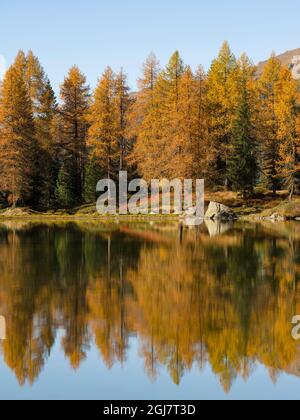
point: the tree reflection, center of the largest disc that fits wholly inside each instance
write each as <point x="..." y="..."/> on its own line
<point x="191" y="299"/>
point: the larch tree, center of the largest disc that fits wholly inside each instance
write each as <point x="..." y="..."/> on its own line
<point x="225" y="126"/>
<point x="166" y="145"/>
<point x="172" y="76"/>
<point x="143" y="121"/>
<point x="35" y="80"/>
<point x="172" y="150"/>
<point x="73" y="114"/>
<point x="20" y="63"/>
<point x="288" y="133"/>
<point x="269" y="90"/>
<point x="222" y="97"/>
<point x="44" y="108"/>
<point x="148" y="80"/>
<point x="17" y="139"/>
<point x="185" y="136"/>
<point x="156" y="111"/>
<point x="169" y="119"/>
<point x="197" y="155"/>
<point x="103" y="134"/>
<point x="203" y="151"/>
<point x="123" y="99"/>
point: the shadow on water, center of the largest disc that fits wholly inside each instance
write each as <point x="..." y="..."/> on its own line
<point x="217" y="295"/>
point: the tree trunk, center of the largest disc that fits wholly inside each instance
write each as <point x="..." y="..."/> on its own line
<point x="292" y="189"/>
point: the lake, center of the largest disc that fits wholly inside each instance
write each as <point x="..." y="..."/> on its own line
<point x="149" y="311"/>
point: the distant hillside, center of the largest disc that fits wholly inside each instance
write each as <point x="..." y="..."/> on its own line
<point x="290" y="59"/>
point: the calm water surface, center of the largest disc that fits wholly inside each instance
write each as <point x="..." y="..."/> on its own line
<point x="149" y="311"/>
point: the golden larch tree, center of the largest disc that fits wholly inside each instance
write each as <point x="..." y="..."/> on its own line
<point x="17" y="139"/>
<point x="222" y="97"/>
<point x="103" y="135"/>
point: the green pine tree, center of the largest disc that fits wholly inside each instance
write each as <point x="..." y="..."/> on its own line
<point x="66" y="186"/>
<point x="242" y="161"/>
<point x="93" y="174"/>
<point x="46" y="163"/>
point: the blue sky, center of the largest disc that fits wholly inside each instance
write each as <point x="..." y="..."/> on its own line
<point x="97" y="33"/>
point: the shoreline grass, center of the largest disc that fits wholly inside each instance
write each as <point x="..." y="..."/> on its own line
<point x="262" y="205"/>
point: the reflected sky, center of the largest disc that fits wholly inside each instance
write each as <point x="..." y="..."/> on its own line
<point x="149" y="312"/>
<point x="95" y="381"/>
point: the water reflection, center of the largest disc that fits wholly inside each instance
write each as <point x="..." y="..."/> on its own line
<point x="223" y="296"/>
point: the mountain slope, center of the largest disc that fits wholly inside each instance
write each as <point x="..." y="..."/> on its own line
<point x="289" y="58"/>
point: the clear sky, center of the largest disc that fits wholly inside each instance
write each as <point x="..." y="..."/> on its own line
<point x="97" y="33"/>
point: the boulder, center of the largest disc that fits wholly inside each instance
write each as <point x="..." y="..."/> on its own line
<point x="217" y="211"/>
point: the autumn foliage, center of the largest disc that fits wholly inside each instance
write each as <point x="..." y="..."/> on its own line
<point x="236" y="130"/>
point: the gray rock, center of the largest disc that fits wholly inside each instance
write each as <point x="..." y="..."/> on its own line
<point x="217" y="211"/>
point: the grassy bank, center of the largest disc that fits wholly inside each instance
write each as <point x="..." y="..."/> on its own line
<point x="262" y="205"/>
<point x="83" y="213"/>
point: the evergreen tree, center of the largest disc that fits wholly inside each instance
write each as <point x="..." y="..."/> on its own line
<point x="47" y="140"/>
<point x="93" y="174"/>
<point x="242" y="167"/>
<point x="66" y="188"/>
